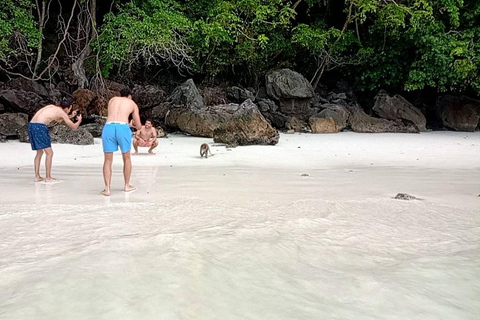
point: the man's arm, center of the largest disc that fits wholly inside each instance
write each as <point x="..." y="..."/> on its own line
<point x="138" y="135"/>
<point x="136" y="116"/>
<point x="154" y="134"/>
<point x="69" y="122"/>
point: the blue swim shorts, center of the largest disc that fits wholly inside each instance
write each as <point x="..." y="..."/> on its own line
<point x="39" y="136"/>
<point x="116" y="134"/>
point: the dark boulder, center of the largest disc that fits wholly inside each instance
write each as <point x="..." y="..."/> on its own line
<point x="247" y="126"/>
<point x="359" y="121"/>
<point x="397" y="107"/>
<point x="292" y="90"/>
<point x="459" y="113"/>
<point x="11" y="123"/>
<point x="63" y="134"/>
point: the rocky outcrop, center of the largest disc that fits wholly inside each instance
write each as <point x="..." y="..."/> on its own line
<point x="459" y="113"/>
<point x="63" y="134"/>
<point x="239" y="95"/>
<point x="338" y="113"/>
<point x="397" y="107"/>
<point x="95" y="129"/>
<point x="267" y="105"/>
<point x="246" y="126"/>
<point x="186" y="94"/>
<point x="200" y="121"/>
<point x="148" y="96"/>
<point x="21" y="101"/>
<point x="322" y="125"/>
<point x="361" y="122"/>
<point x="90" y="103"/>
<point x="295" y="124"/>
<point x="11" y="123"/>
<point x="292" y="90"/>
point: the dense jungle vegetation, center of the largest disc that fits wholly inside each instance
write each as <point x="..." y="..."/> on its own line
<point x="398" y="45"/>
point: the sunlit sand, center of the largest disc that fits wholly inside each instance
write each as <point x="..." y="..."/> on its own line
<point x="306" y="229"/>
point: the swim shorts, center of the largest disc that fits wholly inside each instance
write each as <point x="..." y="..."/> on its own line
<point x="39" y="136"/>
<point x="116" y="134"/>
<point x="145" y="143"/>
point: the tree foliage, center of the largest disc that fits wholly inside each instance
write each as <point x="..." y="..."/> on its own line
<point x="393" y="44"/>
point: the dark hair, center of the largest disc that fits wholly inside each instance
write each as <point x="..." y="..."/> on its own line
<point x="149" y="120"/>
<point x="125" y="92"/>
<point x="65" y="103"/>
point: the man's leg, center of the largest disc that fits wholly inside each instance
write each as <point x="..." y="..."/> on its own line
<point x="38" y="159"/>
<point x="107" y="172"/>
<point x="135" y="145"/>
<point x="48" y="165"/>
<point x="127" y="171"/>
<point x="154" y="145"/>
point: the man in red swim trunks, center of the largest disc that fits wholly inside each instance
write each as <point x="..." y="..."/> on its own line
<point x="146" y="137"/>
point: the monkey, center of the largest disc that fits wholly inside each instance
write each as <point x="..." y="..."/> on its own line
<point x="204" y="150"/>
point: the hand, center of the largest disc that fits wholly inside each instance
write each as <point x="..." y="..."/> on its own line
<point x="79" y="118"/>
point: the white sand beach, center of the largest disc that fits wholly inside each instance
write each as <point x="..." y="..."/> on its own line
<point x="306" y="229"/>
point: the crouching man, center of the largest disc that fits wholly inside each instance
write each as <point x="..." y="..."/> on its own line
<point x="146" y="137"/>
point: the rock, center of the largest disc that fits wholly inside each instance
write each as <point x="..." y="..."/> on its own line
<point x="114" y="86"/>
<point x="160" y="132"/>
<point x="23" y="134"/>
<point x="148" y="96"/>
<point x="187" y="95"/>
<point x="397" y="107"/>
<point x="459" y="113"/>
<point x="288" y="84"/>
<point x="63" y="134"/>
<point x="405" y="196"/>
<point x="359" y="121"/>
<point x="90" y="103"/>
<point x="200" y="121"/>
<point x="238" y="95"/>
<point x="214" y="96"/>
<point x="10" y="123"/>
<point x="160" y="113"/>
<point x="267" y="105"/>
<point x="95" y="129"/>
<point x="22" y="84"/>
<point x="339" y="115"/>
<point x="21" y="101"/>
<point x="277" y="119"/>
<point x="292" y="90"/>
<point x="247" y="126"/>
<point x="322" y="125"/>
<point x="295" y="124"/>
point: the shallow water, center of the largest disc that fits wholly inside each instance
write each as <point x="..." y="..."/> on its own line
<point x="231" y="244"/>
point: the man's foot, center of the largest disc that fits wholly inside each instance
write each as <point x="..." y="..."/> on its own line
<point x="129" y="188"/>
<point x="38" y="179"/>
<point x="136" y="152"/>
<point x="151" y="152"/>
<point x="51" y="179"/>
<point x="105" y="192"/>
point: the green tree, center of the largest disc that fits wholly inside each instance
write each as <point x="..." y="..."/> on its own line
<point x="20" y="37"/>
<point x="143" y="34"/>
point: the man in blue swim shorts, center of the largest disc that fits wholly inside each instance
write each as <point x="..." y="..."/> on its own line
<point x="40" y="138"/>
<point x="116" y="133"/>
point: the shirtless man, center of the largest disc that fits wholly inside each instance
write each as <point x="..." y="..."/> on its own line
<point x="146" y="137"/>
<point x="116" y="133"/>
<point x="40" y="138"/>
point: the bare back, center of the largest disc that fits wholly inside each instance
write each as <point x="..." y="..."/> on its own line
<point x="49" y="113"/>
<point x="119" y="109"/>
